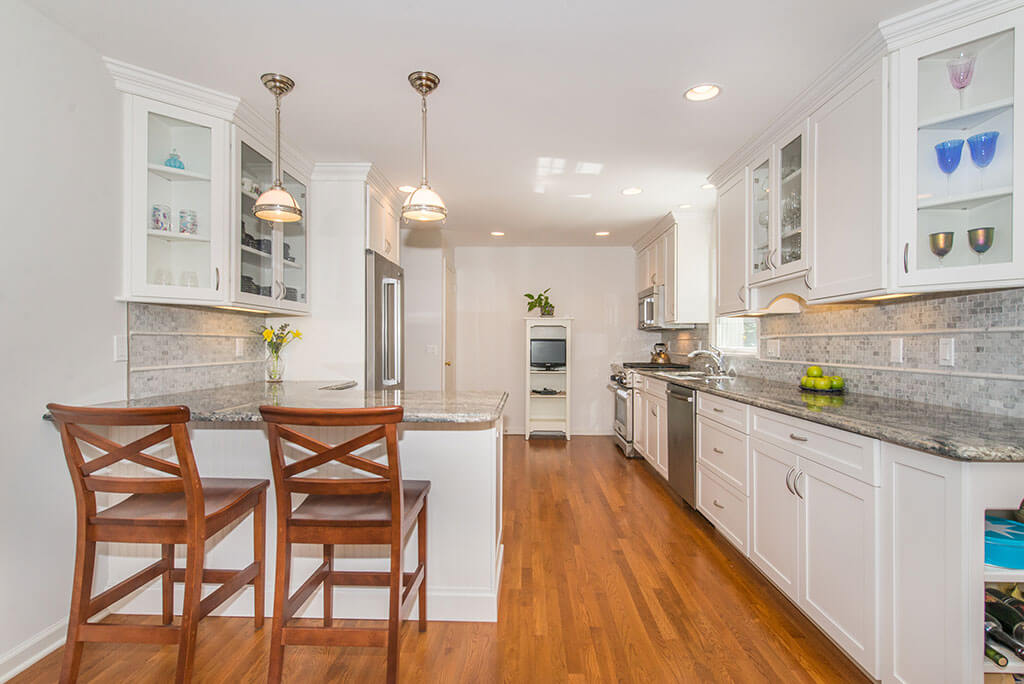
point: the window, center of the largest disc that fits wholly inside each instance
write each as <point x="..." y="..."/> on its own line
<point x="736" y="335"/>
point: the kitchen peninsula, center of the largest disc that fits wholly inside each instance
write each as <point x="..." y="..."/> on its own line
<point x="452" y="439"/>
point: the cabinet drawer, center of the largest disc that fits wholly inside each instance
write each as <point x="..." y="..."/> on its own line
<point x="727" y="412"/>
<point x="723" y="451"/>
<point x="656" y="387"/>
<point x="848" y="453"/>
<point x="723" y="506"/>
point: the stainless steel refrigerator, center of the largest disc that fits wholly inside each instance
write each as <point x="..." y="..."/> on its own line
<point x="385" y="319"/>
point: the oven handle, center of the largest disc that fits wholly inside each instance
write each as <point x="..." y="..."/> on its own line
<point x="624" y="393"/>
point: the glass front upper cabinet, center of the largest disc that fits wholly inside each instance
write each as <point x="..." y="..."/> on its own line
<point x="760" y="218"/>
<point x="958" y="189"/>
<point x="178" y="210"/>
<point x="790" y="197"/>
<point x="293" y="250"/>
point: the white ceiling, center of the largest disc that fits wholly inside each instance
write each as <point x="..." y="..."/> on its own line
<point x="593" y="81"/>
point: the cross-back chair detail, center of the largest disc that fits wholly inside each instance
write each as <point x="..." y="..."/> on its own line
<point x="173" y="507"/>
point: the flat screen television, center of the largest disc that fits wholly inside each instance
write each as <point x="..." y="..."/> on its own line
<point x="547" y="353"/>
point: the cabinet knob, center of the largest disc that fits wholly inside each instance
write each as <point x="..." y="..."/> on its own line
<point x="447" y="363"/>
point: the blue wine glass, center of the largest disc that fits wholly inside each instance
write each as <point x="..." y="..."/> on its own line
<point x="948" y="154"/>
<point x="983" y="150"/>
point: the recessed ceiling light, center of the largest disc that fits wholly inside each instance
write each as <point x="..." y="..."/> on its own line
<point x="581" y="195"/>
<point x="703" y="92"/>
<point x="685" y="206"/>
<point x="497" y="233"/>
<point x="632" y="191"/>
<point x="708" y="186"/>
<point x="602" y="233"/>
<point x="406" y="188"/>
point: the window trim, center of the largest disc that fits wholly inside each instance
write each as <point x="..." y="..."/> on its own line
<point x="737" y="351"/>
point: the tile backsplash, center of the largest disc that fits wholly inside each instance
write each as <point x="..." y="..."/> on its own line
<point x="181" y="348"/>
<point x="854" y="340"/>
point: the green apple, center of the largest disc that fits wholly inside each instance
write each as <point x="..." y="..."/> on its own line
<point x="837" y="382"/>
<point x="822" y="383"/>
<point x="806" y="382"/>
<point x="815" y="372"/>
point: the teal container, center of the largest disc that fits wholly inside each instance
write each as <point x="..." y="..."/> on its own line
<point x="1004" y="542"/>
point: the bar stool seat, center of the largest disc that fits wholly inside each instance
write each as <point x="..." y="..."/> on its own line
<point x="220" y="496"/>
<point x="361" y="510"/>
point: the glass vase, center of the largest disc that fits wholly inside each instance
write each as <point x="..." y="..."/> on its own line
<point x="274" y="367"/>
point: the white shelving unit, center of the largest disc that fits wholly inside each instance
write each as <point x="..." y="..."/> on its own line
<point x="548" y="413"/>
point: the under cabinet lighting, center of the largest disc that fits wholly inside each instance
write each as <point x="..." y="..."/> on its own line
<point x="897" y="295"/>
<point x="497" y="233"/>
<point x="703" y="92"/>
<point x="241" y="308"/>
<point x="602" y="233"/>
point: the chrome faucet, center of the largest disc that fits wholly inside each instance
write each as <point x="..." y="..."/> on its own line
<point x="714" y="354"/>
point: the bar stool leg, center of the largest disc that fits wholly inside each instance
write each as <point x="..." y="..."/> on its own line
<point x="81" y="596"/>
<point x="190" y="611"/>
<point x="282" y="580"/>
<point x="328" y="587"/>
<point x="421" y="542"/>
<point x="259" y="555"/>
<point x="394" y="616"/>
<point x="168" y="583"/>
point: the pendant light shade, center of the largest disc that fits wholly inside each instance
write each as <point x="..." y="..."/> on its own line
<point x="423" y="204"/>
<point x="277" y="204"/>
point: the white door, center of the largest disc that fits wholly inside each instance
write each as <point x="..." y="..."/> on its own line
<point x="790" y="229"/>
<point x="847" y="193"/>
<point x="731" y="271"/>
<point x="643" y="271"/>
<point x="774" y="543"/>
<point x="761" y="220"/>
<point x="839" y="552"/>
<point x="652" y="412"/>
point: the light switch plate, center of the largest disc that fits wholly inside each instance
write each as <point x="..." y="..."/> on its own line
<point x="772" y="349"/>
<point x="120" y="348"/>
<point x="896" y="350"/>
<point x="239" y="347"/>
<point x="946" y="351"/>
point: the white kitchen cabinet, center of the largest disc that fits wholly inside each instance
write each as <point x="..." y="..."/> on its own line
<point x="667" y="252"/>
<point x="382" y="224"/>
<point x="847" y="203"/>
<point x="731" y="252"/>
<point x="723" y="506"/>
<point x="775" y="518"/>
<point x="657" y="433"/>
<point x="979" y="190"/>
<point x="640" y="422"/>
<point x="674" y="257"/>
<point x="838" y="585"/>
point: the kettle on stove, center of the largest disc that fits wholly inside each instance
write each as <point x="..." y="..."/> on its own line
<point x="660" y="353"/>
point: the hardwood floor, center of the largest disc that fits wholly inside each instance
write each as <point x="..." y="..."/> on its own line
<point x="606" y="579"/>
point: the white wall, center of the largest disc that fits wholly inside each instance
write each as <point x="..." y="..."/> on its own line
<point x="332" y="347"/>
<point x="595" y="285"/>
<point x="59" y="275"/>
<point x="422" y="261"/>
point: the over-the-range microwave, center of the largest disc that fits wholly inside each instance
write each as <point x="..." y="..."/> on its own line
<point x="651" y="311"/>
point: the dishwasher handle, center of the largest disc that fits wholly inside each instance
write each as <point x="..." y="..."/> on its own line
<point x="681" y="393"/>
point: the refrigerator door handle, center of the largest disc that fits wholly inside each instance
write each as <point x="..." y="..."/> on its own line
<point x="391" y="339"/>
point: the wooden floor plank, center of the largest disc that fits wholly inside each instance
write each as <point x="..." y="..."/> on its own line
<point x="607" y="578"/>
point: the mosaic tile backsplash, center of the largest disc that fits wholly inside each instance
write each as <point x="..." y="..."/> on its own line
<point x="180" y="348"/>
<point x="853" y="340"/>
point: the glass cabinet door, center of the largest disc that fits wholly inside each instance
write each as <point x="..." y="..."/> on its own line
<point x="790" y="196"/>
<point x="760" y="218"/>
<point x="293" y="250"/>
<point x="256" y="272"/>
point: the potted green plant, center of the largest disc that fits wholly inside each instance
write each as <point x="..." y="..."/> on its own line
<point x="540" y="301"/>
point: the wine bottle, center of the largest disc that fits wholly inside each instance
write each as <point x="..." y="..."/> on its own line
<point x="1008" y="599"/>
<point x="993" y="630"/>
<point x="1010" y="619"/>
<point x="994" y="655"/>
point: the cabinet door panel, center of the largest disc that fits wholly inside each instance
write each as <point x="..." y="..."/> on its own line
<point x="639" y="423"/>
<point x="839" y="551"/>
<point x="774" y="544"/>
<point x="848" y="143"/>
<point x="668" y="273"/>
<point x="761" y="220"/>
<point x="731" y="251"/>
<point x="651" y="432"/>
<point x="662" y="418"/>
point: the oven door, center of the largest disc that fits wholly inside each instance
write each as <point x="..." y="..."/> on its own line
<point x="624" y="414"/>
<point x="647" y="313"/>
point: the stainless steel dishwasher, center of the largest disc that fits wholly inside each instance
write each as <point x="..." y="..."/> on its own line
<point x="682" y="451"/>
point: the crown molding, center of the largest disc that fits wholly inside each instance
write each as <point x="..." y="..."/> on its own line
<point x="134" y="80"/>
<point x="380" y="181"/>
<point x="341" y="171"/>
<point x="940" y="17"/>
<point x="247" y="118"/>
<point x="865" y="53"/>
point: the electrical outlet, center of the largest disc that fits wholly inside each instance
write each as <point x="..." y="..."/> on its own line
<point x="896" y="350"/>
<point x="947" y="351"/>
<point x="120" y="348"/>
<point x="772" y="349"/>
<point x="433" y="349"/>
<point x="239" y="347"/>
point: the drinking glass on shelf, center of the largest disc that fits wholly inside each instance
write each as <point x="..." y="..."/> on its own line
<point x="980" y="239"/>
<point x="948" y="154"/>
<point x="188" y="222"/>
<point x="983" y="150"/>
<point x="189" y="279"/>
<point x="160" y="217"/>
<point x="162" y="276"/>
<point x="961" y="70"/>
<point x="940" y="244"/>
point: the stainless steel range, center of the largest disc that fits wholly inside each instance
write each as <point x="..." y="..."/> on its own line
<point x="622" y="382"/>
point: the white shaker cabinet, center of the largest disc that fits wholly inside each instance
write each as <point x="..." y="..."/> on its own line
<point x="774" y="539"/>
<point x="847" y="206"/>
<point x="382" y="224"/>
<point x="731" y="251"/>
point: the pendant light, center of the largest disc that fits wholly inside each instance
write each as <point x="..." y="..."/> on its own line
<point x="277" y="204"/>
<point x="423" y="204"/>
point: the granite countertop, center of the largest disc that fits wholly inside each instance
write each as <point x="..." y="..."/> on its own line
<point x="240" y="403"/>
<point x="953" y="433"/>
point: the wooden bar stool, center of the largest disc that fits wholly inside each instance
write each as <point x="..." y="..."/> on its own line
<point x="179" y="508"/>
<point x="369" y="510"/>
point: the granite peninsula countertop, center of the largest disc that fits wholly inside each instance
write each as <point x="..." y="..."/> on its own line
<point x="953" y="433"/>
<point x="240" y="403"/>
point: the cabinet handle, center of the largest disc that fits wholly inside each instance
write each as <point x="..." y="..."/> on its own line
<point x="771" y="259"/>
<point x="654" y="277"/>
<point x="739" y="293"/>
<point x="717" y="505"/>
<point x="906" y="255"/>
<point x="216" y="273"/>
<point x="280" y="289"/>
<point x="789" y="474"/>
<point x="807" y="278"/>
<point x="387" y="246"/>
<point x="717" y="410"/>
<point x="797" y="438"/>
<point x="654" y="412"/>
<point x="717" y="450"/>
<point x="796" y="483"/>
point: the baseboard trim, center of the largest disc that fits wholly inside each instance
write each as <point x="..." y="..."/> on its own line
<point x="33" y="649"/>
